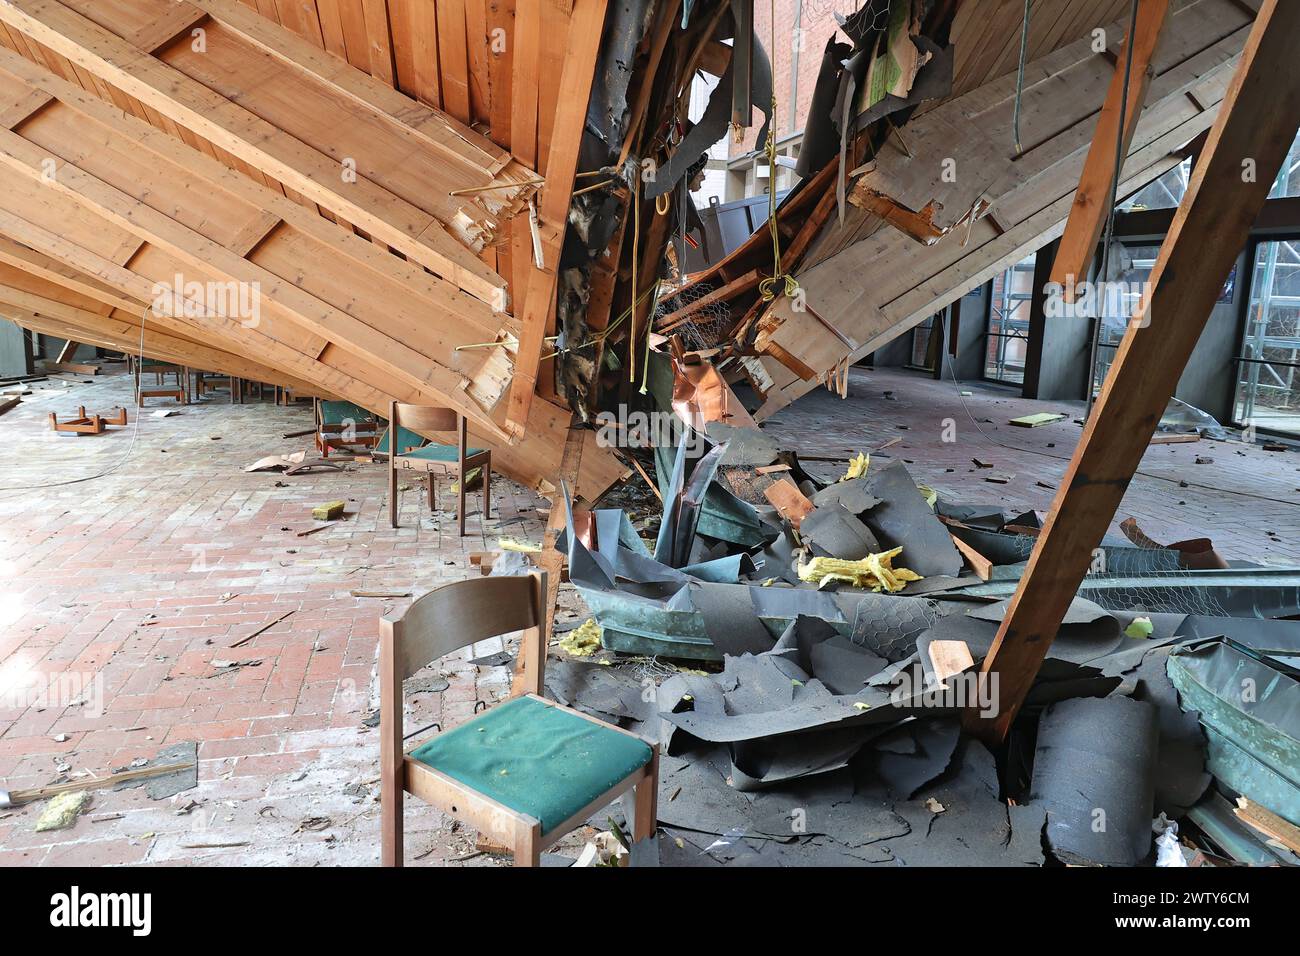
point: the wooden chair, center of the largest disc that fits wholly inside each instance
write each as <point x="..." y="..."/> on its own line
<point x="160" y="369"/>
<point x="342" y="424"/>
<point x="526" y="771"/>
<point x="433" y="459"/>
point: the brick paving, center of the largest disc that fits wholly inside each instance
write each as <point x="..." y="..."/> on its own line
<point x="1246" y="499"/>
<point x="134" y="582"/>
<point x="130" y="585"/>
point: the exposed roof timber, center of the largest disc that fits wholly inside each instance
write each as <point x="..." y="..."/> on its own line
<point x="29" y="298"/>
<point x="875" y="288"/>
<point x="182" y="86"/>
<point x="562" y="165"/>
<point x="1127" y="96"/>
<point x="117" y="333"/>
<point x="1256" y="124"/>
<point x="235" y="230"/>
<point x="335" y="372"/>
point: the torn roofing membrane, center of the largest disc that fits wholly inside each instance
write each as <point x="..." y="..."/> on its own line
<point x="850" y="697"/>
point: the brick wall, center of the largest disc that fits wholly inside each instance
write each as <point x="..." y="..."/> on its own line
<point x="816" y="20"/>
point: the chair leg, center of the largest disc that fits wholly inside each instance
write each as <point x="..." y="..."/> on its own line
<point x="460" y="503"/>
<point x="391" y="801"/>
<point x="645" y="813"/>
<point x="433" y="495"/>
<point x="487" y="491"/>
<point x="528" y="840"/>
<point x="392" y="496"/>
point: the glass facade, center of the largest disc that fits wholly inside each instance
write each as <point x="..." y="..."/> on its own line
<point x="1118" y="303"/>
<point x="1268" y="383"/>
<point x="1006" y="343"/>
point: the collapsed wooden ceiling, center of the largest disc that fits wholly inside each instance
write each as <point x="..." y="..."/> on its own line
<point x="396" y="178"/>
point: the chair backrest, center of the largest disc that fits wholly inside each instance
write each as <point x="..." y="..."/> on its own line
<point x="425" y="418"/>
<point x="465" y="612"/>
<point x="339" y="413"/>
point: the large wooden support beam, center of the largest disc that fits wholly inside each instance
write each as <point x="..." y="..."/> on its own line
<point x="1092" y="201"/>
<point x="123" y="333"/>
<point x="585" y="32"/>
<point x="1250" y="138"/>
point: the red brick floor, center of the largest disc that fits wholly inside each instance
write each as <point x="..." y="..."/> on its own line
<point x="124" y="589"/>
<point x="128" y="586"/>
<point x="1246" y="499"/>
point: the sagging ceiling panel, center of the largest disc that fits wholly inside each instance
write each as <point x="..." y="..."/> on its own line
<point x="998" y="207"/>
<point x="134" y="208"/>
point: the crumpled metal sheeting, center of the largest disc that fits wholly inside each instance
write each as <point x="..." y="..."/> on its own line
<point x="1250" y="708"/>
<point x="1263" y="592"/>
<point x="723" y="516"/>
<point x="889" y="626"/>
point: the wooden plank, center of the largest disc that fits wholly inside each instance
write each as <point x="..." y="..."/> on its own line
<point x="1253" y="133"/>
<point x="585" y="34"/>
<point x="379" y="45"/>
<point x="1268" y="823"/>
<point x="415" y="48"/>
<point x="981" y="565"/>
<point x="453" y="59"/>
<point x="1092" y="200"/>
<point x="786" y="498"/>
<point x="16" y="112"/>
<point x="430" y="125"/>
<point x="501" y="47"/>
<point x="331" y="27"/>
<point x="527" y="52"/>
<point x="405" y="227"/>
<point x="949" y="658"/>
<point x="479" y="54"/>
<point x="176" y="22"/>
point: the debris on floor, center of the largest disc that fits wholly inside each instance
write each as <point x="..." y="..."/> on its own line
<point x="841" y="643"/>
<point x="62" y="811"/>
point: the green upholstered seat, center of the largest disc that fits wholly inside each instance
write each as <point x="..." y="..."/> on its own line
<point x="405" y="439"/>
<point x="439" y="453"/>
<point x="340" y="413"/>
<point x="535" y="758"/>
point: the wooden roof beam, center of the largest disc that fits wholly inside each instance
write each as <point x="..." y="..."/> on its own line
<point x="1092" y="201"/>
<point x="586" y="30"/>
<point x="1250" y="139"/>
<point x="299" y="165"/>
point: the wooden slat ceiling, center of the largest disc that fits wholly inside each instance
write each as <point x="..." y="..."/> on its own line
<point x="274" y="137"/>
<point x="986" y="33"/>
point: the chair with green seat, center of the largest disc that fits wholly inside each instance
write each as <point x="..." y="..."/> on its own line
<point x="526" y="771"/>
<point x="434" y="459"/>
<point x="340" y="424"/>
